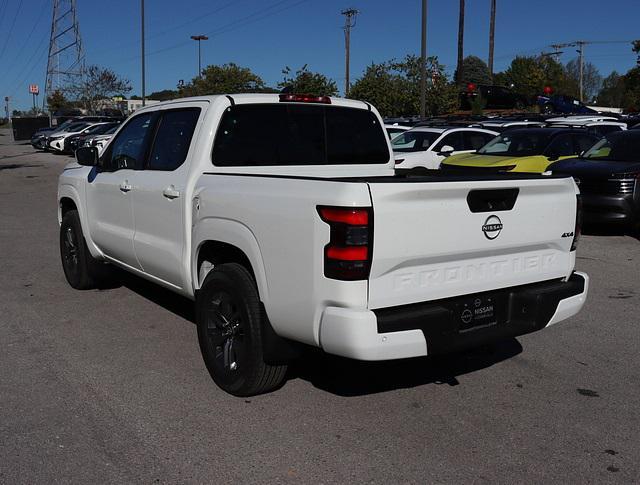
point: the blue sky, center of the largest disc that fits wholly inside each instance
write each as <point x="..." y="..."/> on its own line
<point x="267" y="35"/>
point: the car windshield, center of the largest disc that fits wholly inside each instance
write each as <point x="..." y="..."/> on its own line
<point x="414" y="141"/>
<point x="619" y="146"/>
<point x="98" y="129"/>
<point x="517" y="144"/>
<point x="111" y="130"/>
<point x="73" y="127"/>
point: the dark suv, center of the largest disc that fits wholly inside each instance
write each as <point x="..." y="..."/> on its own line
<point x="608" y="175"/>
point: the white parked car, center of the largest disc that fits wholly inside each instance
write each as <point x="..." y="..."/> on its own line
<point x="597" y="125"/>
<point x="503" y="125"/>
<point x="427" y="147"/>
<point x="282" y="217"/>
<point x="394" y="130"/>
<point x="56" y="142"/>
<point x="100" y="141"/>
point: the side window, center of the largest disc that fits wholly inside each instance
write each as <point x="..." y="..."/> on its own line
<point x="453" y="140"/>
<point x="474" y="140"/>
<point x="584" y="142"/>
<point x="129" y="147"/>
<point x="173" y="138"/>
<point x="561" y="146"/>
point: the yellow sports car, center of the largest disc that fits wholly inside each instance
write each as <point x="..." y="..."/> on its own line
<point x="524" y="150"/>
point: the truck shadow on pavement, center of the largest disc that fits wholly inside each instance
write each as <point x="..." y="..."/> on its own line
<point x="347" y="377"/>
<point x="608" y="230"/>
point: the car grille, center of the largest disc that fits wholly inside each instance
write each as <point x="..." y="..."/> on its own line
<point x="606" y="186"/>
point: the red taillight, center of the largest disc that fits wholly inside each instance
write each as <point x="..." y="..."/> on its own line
<point x="304" y="98"/>
<point x="471" y="87"/>
<point x="347" y="215"/>
<point x="578" y="229"/>
<point x="348" y="254"/>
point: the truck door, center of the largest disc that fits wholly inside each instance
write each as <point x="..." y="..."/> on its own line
<point x="109" y="192"/>
<point x="159" y="199"/>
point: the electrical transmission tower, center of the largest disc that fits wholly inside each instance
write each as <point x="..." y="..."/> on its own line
<point x="349" y="23"/>
<point x="65" y="63"/>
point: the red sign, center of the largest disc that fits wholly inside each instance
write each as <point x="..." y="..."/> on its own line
<point x="33" y="89"/>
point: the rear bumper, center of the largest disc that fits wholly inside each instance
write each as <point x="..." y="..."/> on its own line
<point x="431" y="328"/>
<point x="608" y="209"/>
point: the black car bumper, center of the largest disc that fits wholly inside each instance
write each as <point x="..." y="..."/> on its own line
<point x="515" y="311"/>
<point x="609" y="209"/>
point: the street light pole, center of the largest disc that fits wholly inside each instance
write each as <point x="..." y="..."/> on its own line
<point x="142" y="29"/>
<point x="423" y="62"/>
<point x="199" y="38"/>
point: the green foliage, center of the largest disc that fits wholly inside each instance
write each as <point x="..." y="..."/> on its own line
<point x="478" y="103"/>
<point x="97" y="85"/>
<point x="164" y="95"/>
<point x="57" y="101"/>
<point x="529" y="75"/>
<point x="631" y="100"/>
<point x="635" y="46"/>
<point x="226" y="79"/>
<point x="307" y="82"/>
<point x="474" y="70"/>
<point x="394" y="87"/>
<point x="612" y="91"/>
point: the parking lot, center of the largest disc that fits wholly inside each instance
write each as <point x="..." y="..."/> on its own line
<point x="109" y="385"/>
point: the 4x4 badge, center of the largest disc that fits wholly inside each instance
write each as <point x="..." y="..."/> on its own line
<point x="492" y="227"/>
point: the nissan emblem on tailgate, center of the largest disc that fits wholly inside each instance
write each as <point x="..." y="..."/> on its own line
<point x="492" y="227"/>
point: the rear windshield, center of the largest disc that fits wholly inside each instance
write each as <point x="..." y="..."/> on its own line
<point x="517" y="144"/>
<point x="297" y="134"/>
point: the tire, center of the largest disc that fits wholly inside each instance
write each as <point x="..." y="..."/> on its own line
<point x="80" y="268"/>
<point x="229" y="319"/>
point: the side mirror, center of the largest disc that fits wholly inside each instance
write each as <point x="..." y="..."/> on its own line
<point x="446" y="150"/>
<point x="87" y="156"/>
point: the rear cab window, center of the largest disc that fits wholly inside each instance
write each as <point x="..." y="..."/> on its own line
<point x="298" y="134"/>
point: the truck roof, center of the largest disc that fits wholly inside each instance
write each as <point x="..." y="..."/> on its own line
<point x="256" y="98"/>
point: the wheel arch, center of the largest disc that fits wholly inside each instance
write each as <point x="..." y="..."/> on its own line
<point x="69" y="199"/>
<point x="218" y="241"/>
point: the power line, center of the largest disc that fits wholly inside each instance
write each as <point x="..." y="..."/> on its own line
<point x="239" y="23"/>
<point x="174" y="28"/>
<point x="43" y="10"/>
<point x="13" y="24"/>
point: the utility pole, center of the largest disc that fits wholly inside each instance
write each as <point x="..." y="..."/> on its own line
<point x="6" y="106"/>
<point x="423" y="62"/>
<point x="580" y="51"/>
<point x="349" y="23"/>
<point x="492" y="34"/>
<point x="142" y="38"/>
<point x="459" y="68"/>
<point x="199" y="38"/>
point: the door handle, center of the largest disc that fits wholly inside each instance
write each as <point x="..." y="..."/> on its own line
<point x="171" y="192"/>
<point x="125" y="186"/>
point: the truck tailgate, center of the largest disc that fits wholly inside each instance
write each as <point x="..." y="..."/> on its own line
<point x="438" y="239"/>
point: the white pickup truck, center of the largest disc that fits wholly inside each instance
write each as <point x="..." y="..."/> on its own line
<point x="283" y="218"/>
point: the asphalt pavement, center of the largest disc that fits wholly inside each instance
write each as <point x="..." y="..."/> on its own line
<point x="108" y="386"/>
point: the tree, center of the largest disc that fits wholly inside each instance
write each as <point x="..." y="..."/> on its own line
<point x="526" y="75"/>
<point x="459" y="64"/>
<point x="612" y="92"/>
<point x="591" y="78"/>
<point x="226" y="79"/>
<point x="635" y="46"/>
<point x="394" y="88"/>
<point x="631" y="100"/>
<point x="56" y="101"/>
<point x="474" y="70"/>
<point x="307" y="82"/>
<point x="97" y="87"/>
<point x="164" y="95"/>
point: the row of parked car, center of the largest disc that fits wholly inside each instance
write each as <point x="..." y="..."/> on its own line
<point x="601" y="153"/>
<point x="75" y="133"/>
